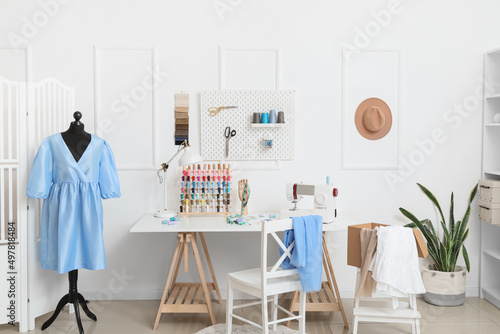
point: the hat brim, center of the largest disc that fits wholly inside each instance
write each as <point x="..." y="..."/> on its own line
<point x="358" y="119"/>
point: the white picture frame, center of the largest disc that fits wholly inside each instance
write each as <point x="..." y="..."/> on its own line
<point x="369" y="74"/>
<point x="244" y="68"/>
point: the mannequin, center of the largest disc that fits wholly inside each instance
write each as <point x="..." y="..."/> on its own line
<point x="77" y="141"/>
<point x="76" y="138"/>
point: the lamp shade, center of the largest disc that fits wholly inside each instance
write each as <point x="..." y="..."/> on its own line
<point x="189" y="157"/>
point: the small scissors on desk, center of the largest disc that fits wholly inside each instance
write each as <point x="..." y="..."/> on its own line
<point x="228" y="133"/>
<point x="215" y="110"/>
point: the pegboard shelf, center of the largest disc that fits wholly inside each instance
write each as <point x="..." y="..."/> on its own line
<point x="268" y="125"/>
<point x="249" y="143"/>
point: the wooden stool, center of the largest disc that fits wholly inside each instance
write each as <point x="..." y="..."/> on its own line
<point x="188" y="297"/>
<point x="328" y="298"/>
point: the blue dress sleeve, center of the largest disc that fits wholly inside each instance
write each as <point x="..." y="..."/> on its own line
<point x="40" y="179"/>
<point x="108" y="175"/>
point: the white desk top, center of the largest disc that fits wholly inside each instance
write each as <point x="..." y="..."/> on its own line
<point x="209" y="223"/>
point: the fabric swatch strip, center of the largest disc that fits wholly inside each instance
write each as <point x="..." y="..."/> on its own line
<point x="181" y="118"/>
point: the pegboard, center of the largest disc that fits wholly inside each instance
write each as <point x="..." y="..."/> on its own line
<point x="248" y="144"/>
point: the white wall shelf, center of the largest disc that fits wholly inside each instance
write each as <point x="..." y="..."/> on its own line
<point x="490" y="234"/>
<point x="493" y="173"/>
<point x="269" y="125"/>
<point x="493" y="296"/>
<point x="493" y="253"/>
<point x="494" y="51"/>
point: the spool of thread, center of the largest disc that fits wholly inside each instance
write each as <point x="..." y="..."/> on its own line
<point x="256" y="117"/>
<point x="272" y="116"/>
<point x="264" y="118"/>
<point x="281" y="117"/>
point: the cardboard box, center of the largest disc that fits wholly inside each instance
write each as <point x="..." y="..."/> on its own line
<point x="354" y="243"/>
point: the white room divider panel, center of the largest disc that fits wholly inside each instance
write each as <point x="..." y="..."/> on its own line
<point x="12" y="202"/>
<point x="51" y="107"/>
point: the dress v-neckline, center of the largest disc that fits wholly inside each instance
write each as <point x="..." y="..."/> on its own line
<point x="69" y="151"/>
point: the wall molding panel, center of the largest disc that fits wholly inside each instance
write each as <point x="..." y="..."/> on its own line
<point x="125" y="92"/>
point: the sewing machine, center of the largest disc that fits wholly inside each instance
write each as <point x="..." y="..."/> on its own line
<point x="324" y="200"/>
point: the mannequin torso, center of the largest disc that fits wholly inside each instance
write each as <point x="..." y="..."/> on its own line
<point x="76" y="138"/>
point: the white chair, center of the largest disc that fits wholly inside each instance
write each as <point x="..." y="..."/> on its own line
<point x="267" y="283"/>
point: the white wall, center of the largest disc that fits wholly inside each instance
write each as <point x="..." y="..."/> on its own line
<point x="441" y="46"/>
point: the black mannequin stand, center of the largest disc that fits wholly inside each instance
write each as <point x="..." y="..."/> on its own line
<point x="74" y="298"/>
<point x="77" y="141"/>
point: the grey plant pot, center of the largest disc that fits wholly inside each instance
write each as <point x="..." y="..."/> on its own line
<point x="443" y="288"/>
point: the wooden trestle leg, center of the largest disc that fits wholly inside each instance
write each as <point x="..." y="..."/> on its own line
<point x="188" y="297"/>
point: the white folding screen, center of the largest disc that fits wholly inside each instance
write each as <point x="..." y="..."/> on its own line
<point x="12" y="201"/>
<point x="12" y="98"/>
<point x="51" y="106"/>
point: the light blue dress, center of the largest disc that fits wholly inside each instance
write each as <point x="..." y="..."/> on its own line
<point x="71" y="228"/>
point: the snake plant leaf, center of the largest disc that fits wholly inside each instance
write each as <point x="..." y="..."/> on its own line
<point x="413" y="225"/>
<point x="443" y="255"/>
<point x="434" y="241"/>
<point x="466" y="258"/>
<point x="414" y="219"/>
<point x="409" y="215"/>
<point x="433" y="245"/>
<point x="452" y="217"/>
<point x="465" y="220"/>
<point x="433" y="199"/>
<point x="427" y="222"/>
<point x="465" y="235"/>
<point x="463" y="226"/>
<point x="447" y="238"/>
<point x="472" y="194"/>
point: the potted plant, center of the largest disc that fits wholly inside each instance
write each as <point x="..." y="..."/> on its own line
<point x="444" y="281"/>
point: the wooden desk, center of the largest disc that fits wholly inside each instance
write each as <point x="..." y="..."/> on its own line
<point x="195" y="297"/>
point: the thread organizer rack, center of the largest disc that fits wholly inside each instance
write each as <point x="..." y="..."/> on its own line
<point x="205" y="190"/>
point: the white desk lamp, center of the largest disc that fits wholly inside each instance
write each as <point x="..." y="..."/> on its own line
<point x="189" y="157"/>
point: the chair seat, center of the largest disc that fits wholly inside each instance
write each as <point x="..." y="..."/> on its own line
<point x="252" y="278"/>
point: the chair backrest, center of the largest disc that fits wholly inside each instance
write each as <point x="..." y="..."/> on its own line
<point x="269" y="229"/>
